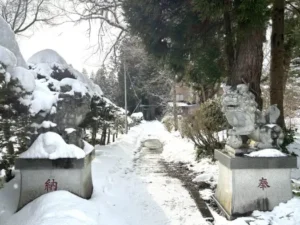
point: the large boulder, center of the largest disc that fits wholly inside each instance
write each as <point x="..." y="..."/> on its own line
<point x="8" y="40"/>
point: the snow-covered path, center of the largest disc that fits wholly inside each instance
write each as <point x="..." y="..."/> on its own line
<point x="132" y="189"/>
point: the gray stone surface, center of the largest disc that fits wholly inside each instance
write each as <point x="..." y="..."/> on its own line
<point x="248" y="184"/>
<point x="248" y="122"/>
<point x="72" y="175"/>
<point x="153" y="144"/>
<point x="287" y="162"/>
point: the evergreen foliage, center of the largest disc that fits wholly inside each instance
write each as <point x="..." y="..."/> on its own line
<point x="14" y="124"/>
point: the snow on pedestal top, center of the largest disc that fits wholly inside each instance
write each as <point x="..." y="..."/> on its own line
<point x="267" y="153"/>
<point x="50" y="145"/>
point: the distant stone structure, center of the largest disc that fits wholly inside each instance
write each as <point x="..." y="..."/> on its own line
<point x="251" y="129"/>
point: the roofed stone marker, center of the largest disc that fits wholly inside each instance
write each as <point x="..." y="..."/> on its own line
<point x="40" y="176"/>
<point x="248" y="183"/>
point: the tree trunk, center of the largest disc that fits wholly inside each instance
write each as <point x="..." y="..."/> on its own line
<point x="277" y="59"/>
<point x="175" y="106"/>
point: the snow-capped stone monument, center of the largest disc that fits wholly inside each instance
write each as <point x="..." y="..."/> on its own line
<point x="251" y="161"/>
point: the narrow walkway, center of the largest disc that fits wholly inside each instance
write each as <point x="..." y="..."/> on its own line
<point x="135" y="187"/>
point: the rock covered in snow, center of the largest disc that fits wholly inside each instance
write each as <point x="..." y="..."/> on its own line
<point x="8" y="40"/>
<point x="50" y="145"/>
<point x="47" y="56"/>
<point x="25" y="78"/>
<point x="7" y="58"/>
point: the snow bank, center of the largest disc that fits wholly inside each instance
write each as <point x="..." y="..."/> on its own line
<point x="9" y="198"/>
<point x="267" y="153"/>
<point x="284" y="214"/>
<point x="8" y="40"/>
<point x="59" y="207"/>
<point x="50" y="145"/>
<point x="7" y="57"/>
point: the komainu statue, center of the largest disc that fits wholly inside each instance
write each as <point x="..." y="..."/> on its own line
<point x="251" y="129"/>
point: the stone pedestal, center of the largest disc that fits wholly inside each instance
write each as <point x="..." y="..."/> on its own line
<point x="40" y="176"/>
<point x="246" y="184"/>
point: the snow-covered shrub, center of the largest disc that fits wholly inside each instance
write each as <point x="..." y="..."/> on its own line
<point x="137" y="117"/>
<point x="203" y="126"/>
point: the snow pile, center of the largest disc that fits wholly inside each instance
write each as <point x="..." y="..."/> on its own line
<point x="76" y="85"/>
<point x="284" y="214"/>
<point x="206" y="194"/>
<point x="43" y="99"/>
<point x="7" y="57"/>
<point x="8" y="40"/>
<point x="93" y="88"/>
<point x="50" y="145"/>
<point x="267" y="153"/>
<point x="25" y="78"/>
<point x="48" y="62"/>
<point x="59" y="207"/>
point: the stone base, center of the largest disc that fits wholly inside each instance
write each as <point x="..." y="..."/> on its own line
<point x="40" y="176"/>
<point x="246" y="184"/>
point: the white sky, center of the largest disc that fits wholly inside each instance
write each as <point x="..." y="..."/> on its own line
<point x="71" y="42"/>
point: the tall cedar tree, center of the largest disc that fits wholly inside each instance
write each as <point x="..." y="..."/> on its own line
<point x="182" y="32"/>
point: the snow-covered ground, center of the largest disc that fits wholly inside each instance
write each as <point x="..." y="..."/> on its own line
<point x="127" y="192"/>
<point x="123" y="194"/>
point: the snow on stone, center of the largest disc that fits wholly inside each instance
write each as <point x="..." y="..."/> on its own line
<point x="76" y="85"/>
<point x="44" y="124"/>
<point x="50" y="145"/>
<point x="88" y="148"/>
<point x="70" y="130"/>
<point x="8" y="40"/>
<point x="7" y="57"/>
<point x="43" y="98"/>
<point x="24" y="77"/>
<point x="47" y="56"/>
<point x="59" y="207"/>
<point x="93" y="88"/>
<point x="44" y="62"/>
<point x="267" y="153"/>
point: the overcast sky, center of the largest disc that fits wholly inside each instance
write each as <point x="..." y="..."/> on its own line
<point x="71" y="42"/>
